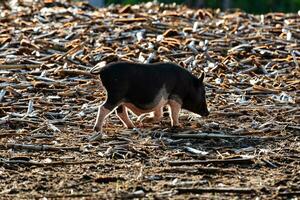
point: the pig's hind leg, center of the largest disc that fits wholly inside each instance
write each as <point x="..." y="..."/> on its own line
<point x="123" y="116"/>
<point x="102" y="114"/>
<point x="103" y="111"/>
<point x="158" y="114"/>
<point x="175" y="108"/>
<point x="153" y="117"/>
<point x="113" y="100"/>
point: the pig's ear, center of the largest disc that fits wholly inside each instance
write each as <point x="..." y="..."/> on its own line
<point x="201" y="77"/>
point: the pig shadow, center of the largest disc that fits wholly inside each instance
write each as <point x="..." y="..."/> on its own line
<point x="235" y="145"/>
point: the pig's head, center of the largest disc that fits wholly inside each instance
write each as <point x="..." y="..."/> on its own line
<point x="195" y="100"/>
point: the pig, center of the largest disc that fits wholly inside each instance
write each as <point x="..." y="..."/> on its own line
<point x="145" y="88"/>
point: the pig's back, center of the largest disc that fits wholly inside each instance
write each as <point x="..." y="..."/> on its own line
<point x="143" y="84"/>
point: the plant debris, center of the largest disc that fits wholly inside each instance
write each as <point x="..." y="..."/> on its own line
<point x="248" y="146"/>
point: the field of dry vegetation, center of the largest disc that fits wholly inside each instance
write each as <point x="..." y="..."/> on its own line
<point x="249" y="146"/>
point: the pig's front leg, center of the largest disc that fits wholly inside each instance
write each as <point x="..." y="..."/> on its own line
<point x="103" y="112"/>
<point x="155" y="117"/>
<point x="175" y="108"/>
<point x="123" y="116"/>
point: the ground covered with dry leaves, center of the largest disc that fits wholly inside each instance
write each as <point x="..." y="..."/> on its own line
<point x="248" y="147"/>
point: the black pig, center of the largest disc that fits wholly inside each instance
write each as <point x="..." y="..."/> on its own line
<point x="145" y="88"/>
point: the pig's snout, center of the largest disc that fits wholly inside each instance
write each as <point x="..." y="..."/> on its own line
<point x="205" y="114"/>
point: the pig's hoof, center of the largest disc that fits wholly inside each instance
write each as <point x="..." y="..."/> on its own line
<point x="148" y="120"/>
<point x="177" y="126"/>
<point x="143" y="117"/>
<point x="97" y="128"/>
<point x="151" y="120"/>
<point x="131" y="126"/>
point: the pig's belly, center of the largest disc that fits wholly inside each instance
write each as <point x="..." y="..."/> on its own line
<point x="144" y="99"/>
<point x="138" y="110"/>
